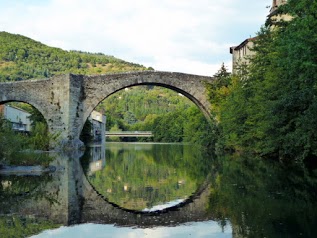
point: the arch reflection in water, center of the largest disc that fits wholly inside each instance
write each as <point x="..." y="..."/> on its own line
<point x="65" y="197"/>
<point x="144" y="176"/>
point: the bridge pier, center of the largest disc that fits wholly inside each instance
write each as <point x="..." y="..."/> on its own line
<point x="59" y="100"/>
<point x="65" y="120"/>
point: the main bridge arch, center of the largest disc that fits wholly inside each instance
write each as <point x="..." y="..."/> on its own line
<point x="97" y="88"/>
<point x="67" y="100"/>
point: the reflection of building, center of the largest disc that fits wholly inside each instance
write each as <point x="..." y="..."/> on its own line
<point x="98" y="158"/>
<point x="17" y="117"/>
<point x="242" y="52"/>
<point x="98" y="130"/>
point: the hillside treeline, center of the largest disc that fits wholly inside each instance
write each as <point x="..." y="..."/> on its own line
<point x="22" y="58"/>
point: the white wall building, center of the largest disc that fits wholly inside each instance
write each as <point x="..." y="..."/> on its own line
<point x="98" y="158"/>
<point x="241" y="54"/>
<point x="17" y="117"/>
<point x="98" y="121"/>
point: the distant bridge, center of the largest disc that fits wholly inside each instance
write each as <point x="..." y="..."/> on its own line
<point x="129" y="134"/>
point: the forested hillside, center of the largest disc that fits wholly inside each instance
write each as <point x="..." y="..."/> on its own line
<point x="23" y="58"/>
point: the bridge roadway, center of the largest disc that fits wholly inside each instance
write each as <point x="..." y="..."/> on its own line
<point x="66" y="101"/>
<point x="129" y="133"/>
<point x="68" y="198"/>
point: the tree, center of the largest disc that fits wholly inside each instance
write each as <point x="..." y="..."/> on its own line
<point x="222" y="76"/>
<point x="272" y="111"/>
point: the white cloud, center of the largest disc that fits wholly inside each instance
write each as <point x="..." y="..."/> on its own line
<point x="191" y="66"/>
<point x="186" y="36"/>
<point x="194" y="229"/>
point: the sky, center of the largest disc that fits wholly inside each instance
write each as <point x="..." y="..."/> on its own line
<point x="188" y="36"/>
<point x="207" y="229"/>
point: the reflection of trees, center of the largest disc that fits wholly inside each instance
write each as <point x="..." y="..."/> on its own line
<point x="264" y="199"/>
<point x="137" y="179"/>
<point x="17" y="190"/>
<point x="13" y="189"/>
<point x="17" y="226"/>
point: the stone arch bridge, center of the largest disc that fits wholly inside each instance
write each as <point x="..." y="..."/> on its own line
<point x="66" y="101"/>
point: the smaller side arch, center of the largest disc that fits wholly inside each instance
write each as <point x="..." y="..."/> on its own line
<point x="43" y="94"/>
<point x="37" y="107"/>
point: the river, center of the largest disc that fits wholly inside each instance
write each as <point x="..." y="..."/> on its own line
<point x="159" y="190"/>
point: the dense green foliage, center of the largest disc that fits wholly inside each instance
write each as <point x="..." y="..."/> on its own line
<point x="24" y="58"/>
<point x="10" y="142"/>
<point x="140" y="104"/>
<point x="271" y="105"/>
<point x="14" y="147"/>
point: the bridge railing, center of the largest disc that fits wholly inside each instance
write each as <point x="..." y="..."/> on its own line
<point x="129" y="133"/>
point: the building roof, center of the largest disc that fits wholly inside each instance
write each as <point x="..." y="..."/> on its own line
<point x="16" y="108"/>
<point x="245" y="42"/>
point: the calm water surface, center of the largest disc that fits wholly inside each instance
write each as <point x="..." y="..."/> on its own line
<point x="160" y="190"/>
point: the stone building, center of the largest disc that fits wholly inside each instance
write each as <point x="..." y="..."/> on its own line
<point x="274" y="15"/>
<point x="18" y="118"/>
<point x="276" y="4"/>
<point x="242" y="52"/>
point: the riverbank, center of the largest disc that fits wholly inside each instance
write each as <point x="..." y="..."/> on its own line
<point x="26" y="170"/>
